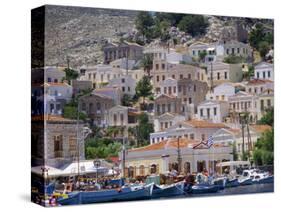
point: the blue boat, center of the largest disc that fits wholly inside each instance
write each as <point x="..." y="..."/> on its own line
<point x="247" y="181"/>
<point x="264" y="180"/>
<point x="123" y="194"/>
<point x="220" y="182"/>
<point x="204" y="189"/>
<point x="231" y="183"/>
<point x="168" y="190"/>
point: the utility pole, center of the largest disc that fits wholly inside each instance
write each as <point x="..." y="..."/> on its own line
<point x="78" y="143"/>
<point x="179" y="156"/>
<point x="242" y="118"/>
<point x="211" y="79"/>
<point x="68" y="61"/>
<point x="123" y="157"/>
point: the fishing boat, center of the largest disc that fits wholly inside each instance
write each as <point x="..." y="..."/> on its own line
<point x="204" y="189"/>
<point x="260" y="177"/>
<point x="231" y="183"/>
<point x="220" y="182"/>
<point x="264" y="180"/>
<point x="168" y="190"/>
<point x="110" y="195"/>
<point x="246" y="178"/>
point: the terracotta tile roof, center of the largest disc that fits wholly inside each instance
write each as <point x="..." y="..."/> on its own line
<point x="205" y="124"/>
<point x="261" y="128"/>
<point x="170" y="143"/>
<point x="258" y="81"/>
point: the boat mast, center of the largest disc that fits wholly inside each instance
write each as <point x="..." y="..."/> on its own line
<point x="78" y="144"/>
<point x="123" y="156"/>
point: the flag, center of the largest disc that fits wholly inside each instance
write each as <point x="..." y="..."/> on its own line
<point x="210" y="141"/>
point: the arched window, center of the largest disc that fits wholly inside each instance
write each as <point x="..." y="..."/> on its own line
<point x="98" y="106"/>
<point x="131" y="172"/>
<point x="83" y="106"/>
<point x="187" y="167"/>
<point x="90" y="108"/>
<point x="141" y="170"/>
<point x="153" y="169"/>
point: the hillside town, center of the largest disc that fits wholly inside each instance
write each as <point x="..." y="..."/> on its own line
<point x="169" y="105"/>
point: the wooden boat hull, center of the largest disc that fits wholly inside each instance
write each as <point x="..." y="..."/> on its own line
<point x="125" y="194"/>
<point x="172" y="190"/>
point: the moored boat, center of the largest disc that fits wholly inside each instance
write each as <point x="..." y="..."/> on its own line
<point x="123" y="194"/>
<point x="220" y="182"/>
<point x="168" y="190"/>
<point x="231" y="183"/>
<point x="204" y="189"/>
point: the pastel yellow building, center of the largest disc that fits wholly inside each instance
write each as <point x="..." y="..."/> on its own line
<point x="162" y="157"/>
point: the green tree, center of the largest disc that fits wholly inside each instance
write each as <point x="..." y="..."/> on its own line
<point x="127" y="100"/>
<point x="256" y="36"/>
<point x="71" y="113"/>
<point x="268" y="118"/>
<point x="260" y="39"/>
<point x="101" y="148"/>
<point x="193" y="24"/>
<point x="233" y="59"/>
<point x="263" y="48"/>
<point x="147" y="63"/>
<point x="144" y="23"/>
<point x="142" y="131"/>
<point x="144" y="88"/>
<point x="70" y="74"/>
<point x="264" y="149"/>
<point x="202" y="56"/>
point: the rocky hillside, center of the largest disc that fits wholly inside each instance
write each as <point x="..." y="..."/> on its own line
<point x="78" y="33"/>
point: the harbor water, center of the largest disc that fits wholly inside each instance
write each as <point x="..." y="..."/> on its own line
<point x="248" y="189"/>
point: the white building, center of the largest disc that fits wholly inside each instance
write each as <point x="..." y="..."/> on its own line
<point x="213" y="110"/>
<point x="125" y="83"/>
<point x="169" y="55"/>
<point x="193" y="129"/>
<point x="258" y="86"/>
<point x="219" y="50"/>
<point x="54" y="74"/>
<point x="118" y="116"/>
<point x="242" y="102"/>
<point x="221" y="92"/>
<point x="234" y="136"/>
<point x="169" y="87"/>
<point x="224" y="72"/>
<point x="57" y="95"/>
<point x="101" y="74"/>
<point x="264" y="71"/>
<point x="166" y="120"/>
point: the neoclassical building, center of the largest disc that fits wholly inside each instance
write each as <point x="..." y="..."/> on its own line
<point x="58" y="146"/>
<point x="163" y="157"/>
<point x="167" y="103"/>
